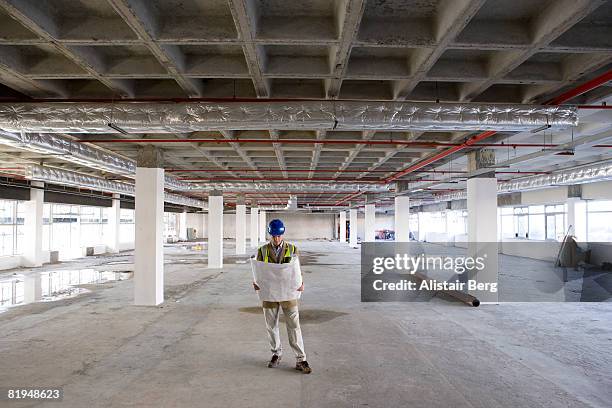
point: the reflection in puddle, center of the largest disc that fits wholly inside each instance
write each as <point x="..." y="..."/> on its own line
<point x="17" y="290"/>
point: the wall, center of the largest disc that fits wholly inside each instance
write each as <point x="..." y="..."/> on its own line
<point x="553" y="195"/>
<point x="301" y="225"/>
<point x="194" y="220"/>
<point x="597" y="191"/>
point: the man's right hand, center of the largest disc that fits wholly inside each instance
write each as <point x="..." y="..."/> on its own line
<point x="255" y="286"/>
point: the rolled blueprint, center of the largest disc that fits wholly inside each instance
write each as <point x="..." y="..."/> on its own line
<point x="277" y="282"/>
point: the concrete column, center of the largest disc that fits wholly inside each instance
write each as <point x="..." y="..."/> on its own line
<point x="402" y="219"/>
<point x="114" y="222"/>
<point x="263" y="226"/>
<point x="240" y="227"/>
<point x="182" y="232"/>
<point x="254" y="227"/>
<point x="353" y="227"/>
<point x="149" y="219"/>
<point x="203" y="233"/>
<point x="370" y="223"/>
<point x="33" y="226"/>
<point x="215" y="229"/>
<point x="482" y="219"/>
<point x="342" y="237"/>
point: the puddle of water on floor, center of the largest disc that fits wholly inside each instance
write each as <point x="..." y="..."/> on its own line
<point x="49" y="286"/>
<point x="307" y="316"/>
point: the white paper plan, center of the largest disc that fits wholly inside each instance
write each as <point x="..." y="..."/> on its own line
<point x="277" y="282"/>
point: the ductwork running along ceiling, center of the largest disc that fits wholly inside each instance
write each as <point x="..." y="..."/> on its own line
<point x="137" y="117"/>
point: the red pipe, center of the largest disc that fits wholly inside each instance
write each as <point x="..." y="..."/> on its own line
<point x="579" y="90"/>
<point x="594" y="83"/>
<point x="594" y="107"/>
<point x="221" y="179"/>
<point x="250" y="170"/>
<point x="350" y="197"/>
<point x="314" y="141"/>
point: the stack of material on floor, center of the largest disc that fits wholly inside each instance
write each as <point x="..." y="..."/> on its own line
<point x="572" y="253"/>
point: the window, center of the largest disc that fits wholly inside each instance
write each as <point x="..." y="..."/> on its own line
<point x="599" y="227"/>
<point x="92" y="225"/>
<point x="127" y="227"/>
<point x="73" y="226"/>
<point x="11" y="227"/>
<point x="555" y="222"/>
<point x="521" y="222"/>
<point x="170" y="224"/>
<point x="536" y="228"/>
<point x="457" y="222"/>
<point x="506" y="222"/>
<point x="414" y="224"/>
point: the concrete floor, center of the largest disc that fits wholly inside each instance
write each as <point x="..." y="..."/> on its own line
<point x="206" y="345"/>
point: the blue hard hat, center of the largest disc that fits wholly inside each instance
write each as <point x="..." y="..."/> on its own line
<point x="276" y="228"/>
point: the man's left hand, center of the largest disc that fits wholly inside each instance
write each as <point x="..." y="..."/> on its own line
<point x="301" y="288"/>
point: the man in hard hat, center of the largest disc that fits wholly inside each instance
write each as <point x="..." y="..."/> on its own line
<point x="279" y="251"/>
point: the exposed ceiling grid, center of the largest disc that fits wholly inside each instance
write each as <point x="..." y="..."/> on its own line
<point x="517" y="51"/>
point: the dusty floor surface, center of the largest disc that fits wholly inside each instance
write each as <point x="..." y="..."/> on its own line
<point x="206" y="345"/>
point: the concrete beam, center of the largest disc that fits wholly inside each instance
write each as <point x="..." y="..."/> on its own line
<point x="451" y="18"/>
<point x="137" y="15"/>
<point x="365" y="135"/>
<point x="316" y="153"/>
<point x="348" y="19"/>
<point x="37" y="18"/>
<point x="274" y="134"/>
<point x="550" y="23"/>
<point x="230" y="134"/>
<point x="243" y="13"/>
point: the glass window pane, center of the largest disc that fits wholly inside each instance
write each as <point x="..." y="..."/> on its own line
<point x="6" y="240"/>
<point x="600" y="205"/>
<point x="537" y="229"/>
<point x="600" y="227"/>
<point x="7" y="212"/>
<point x="520" y="226"/>
<point x="536" y="209"/>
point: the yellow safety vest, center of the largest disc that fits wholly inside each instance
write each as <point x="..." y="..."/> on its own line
<point x="289" y="251"/>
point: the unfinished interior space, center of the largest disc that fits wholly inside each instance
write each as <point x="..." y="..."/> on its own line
<point x="145" y="147"/>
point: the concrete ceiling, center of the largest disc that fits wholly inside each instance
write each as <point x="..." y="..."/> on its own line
<point x="518" y="51"/>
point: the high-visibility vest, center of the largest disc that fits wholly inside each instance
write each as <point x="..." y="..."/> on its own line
<point x="289" y="251"/>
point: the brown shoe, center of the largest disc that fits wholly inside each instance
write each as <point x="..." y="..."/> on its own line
<point x="303" y="366"/>
<point x="274" y="362"/>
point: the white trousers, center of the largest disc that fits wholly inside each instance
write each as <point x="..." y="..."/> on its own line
<point x="294" y="332"/>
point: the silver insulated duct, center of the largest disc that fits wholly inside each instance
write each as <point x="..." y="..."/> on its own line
<point x="70" y="178"/>
<point x="70" y="117"/>
<point x="577" y="175"/>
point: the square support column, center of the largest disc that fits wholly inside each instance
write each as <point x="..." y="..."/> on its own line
<point x="482" y="230"/>
<point x="114" y="222"/>
<point x="182" y="232"/>
<point x="342" y="237"/>
<point x="33" y="226"/>
<point x="353" y="227"/>
<point x="149" y="252"/>
<point x="241" y="229"/>
<point x="263" y="226"/>
<point x="203" y="232"/>
<point x="370" y="223"/>
<point x="402" y="219"/>
<point x="215" y="230"/>
<point x="575" y="225"/>
<point x="254" y="227"/>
